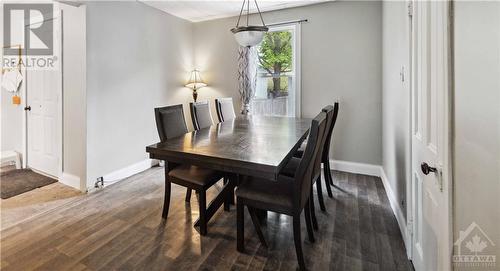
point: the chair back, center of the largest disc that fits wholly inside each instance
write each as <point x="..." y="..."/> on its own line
<point x="200" y="115"/>
<point x="333" y="113"/>
<point x="305" y="171"/>
<point x="225" y="109"/>
<point x="170" y="121"/>
<point x="322" y="144"/>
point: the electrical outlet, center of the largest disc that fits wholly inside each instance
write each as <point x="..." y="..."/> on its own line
<point x="99" y="183"/>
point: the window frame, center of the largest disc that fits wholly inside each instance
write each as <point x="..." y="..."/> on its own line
<point x="296" y="57"/>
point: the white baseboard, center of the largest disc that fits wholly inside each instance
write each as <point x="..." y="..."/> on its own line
<point x="395" y="208"/>
<point x="128" y="171"/>
<point x="353" y="167"/>
<point x="378" y="171"/>
<point x="70" y="180"/>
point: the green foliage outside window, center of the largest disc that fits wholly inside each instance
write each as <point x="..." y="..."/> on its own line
<point x="275" y="57"/>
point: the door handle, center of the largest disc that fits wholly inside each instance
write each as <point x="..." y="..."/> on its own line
<point x="27" y="108"/>
<point x="426" y="169"/>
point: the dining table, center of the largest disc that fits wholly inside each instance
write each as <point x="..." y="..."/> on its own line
<point x="256" y="146"/>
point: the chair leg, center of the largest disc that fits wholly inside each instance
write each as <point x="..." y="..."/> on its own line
<point x="328" y="172"/>
<point x="166" y="198"/>
<point x="203" y="212"/>
<point x="298" y="242"/>
<point x="227" y="201"/>
<point x="313" y="212"/>
<point x="328" y="188"/>
<point x="310" y="233"/>
<point x="256" y="224"/>
<point x="320" y="195"/>
<point x="240" y="227"/>
<point x="188" y="195"/>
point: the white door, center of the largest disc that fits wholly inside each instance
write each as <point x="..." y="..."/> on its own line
<point x="43" y="92"/>
<point x="430" y="214"/>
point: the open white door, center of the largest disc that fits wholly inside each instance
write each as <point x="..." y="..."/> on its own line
<point x="431" y="188"/>
<point x="43" y="107"/>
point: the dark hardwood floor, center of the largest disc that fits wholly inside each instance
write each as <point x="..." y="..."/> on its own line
<point x="120" y="228"/>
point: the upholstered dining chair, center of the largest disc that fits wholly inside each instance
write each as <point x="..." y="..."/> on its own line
<point x="200" y="115"/>
<point x="171" y="123"/>
<point x="225" y="109"/>
<point x="288" y="195"/>
<point x="292" y="165"/>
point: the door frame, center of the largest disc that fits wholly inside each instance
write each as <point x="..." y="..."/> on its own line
<point x="60" y="117"/>
<point x="409" y="191"/>
<point x="447" y="168"/>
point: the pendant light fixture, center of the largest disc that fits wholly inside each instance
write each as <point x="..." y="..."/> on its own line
<point x="249" y="35"/>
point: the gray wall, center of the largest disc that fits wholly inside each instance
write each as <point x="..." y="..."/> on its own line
<point x="396" y="99"/>
<point x="341" y="59"/>
<point x="477" y="118"/>
<point x="138" y="58"/>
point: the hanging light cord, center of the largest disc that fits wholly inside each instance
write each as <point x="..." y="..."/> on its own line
<point x="241" y="12"/>
<point x="260" y="14"/>
<point x="248" y="12"/>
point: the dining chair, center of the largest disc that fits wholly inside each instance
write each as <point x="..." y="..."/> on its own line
<point x="225" y="109"/>
<point x="200" y="115"/>
<point x="326" y="151"/>
<point x="292" y="165"/>
<point x="171" y="123"/>
<point x="288" y="195"/>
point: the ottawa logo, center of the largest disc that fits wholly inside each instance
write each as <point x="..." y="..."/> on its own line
<point x="472" y="248"/>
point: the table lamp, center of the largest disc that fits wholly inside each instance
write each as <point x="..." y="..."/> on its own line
<point x="195" y="82"/>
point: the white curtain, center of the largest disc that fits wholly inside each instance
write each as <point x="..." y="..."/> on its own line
<point x="247" y="76"/>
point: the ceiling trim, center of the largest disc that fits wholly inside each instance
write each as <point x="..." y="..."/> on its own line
<point x="199" y="11"/>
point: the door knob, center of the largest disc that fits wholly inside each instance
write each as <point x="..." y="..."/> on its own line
<point x="426" y="169"/>
<point x="27" y="108"/>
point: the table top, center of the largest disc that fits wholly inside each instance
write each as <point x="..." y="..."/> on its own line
<point x="250" y="145"/>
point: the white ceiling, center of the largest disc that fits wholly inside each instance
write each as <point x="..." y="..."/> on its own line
<point x="197" y="11"/>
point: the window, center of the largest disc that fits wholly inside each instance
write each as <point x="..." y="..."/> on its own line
<point x="278" y="82"/>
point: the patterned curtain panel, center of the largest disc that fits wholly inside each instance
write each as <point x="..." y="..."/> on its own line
<point x="247" y="76"/>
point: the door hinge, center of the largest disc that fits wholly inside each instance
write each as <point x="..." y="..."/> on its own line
<point x="410" y="8"/>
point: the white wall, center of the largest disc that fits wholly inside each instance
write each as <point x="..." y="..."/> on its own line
<point x="11" y="116"/>
<point x="396" y="99"/>
<point x="74" y="144"/>
<point x="341" y="59"/>
<point x="74" y="96"/>
<point x="138" y="58"/>
<point x="477" y="118"/>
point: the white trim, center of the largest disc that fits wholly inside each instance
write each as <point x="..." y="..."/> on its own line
<point x="353" y="167"/>
<point x="396" y="210"/>
<point x="70" y="180"/>
<point x="298" y="69"/>
<point x="377" y="171"/>
<point x="296" y="28"/>
<point x="128" y="171"/>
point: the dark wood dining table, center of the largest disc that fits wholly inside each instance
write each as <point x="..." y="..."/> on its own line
<point x="257" y="146"/>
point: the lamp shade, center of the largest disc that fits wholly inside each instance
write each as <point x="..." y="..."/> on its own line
<point x="195" y="80"/>
<point x="250" y="35"/>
